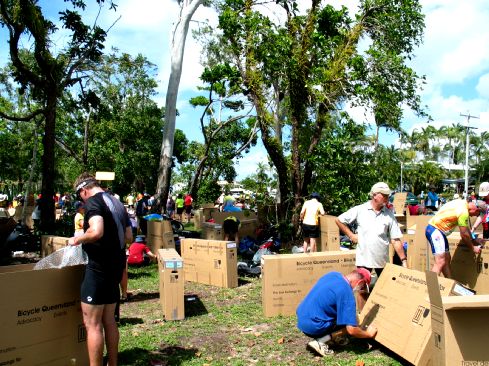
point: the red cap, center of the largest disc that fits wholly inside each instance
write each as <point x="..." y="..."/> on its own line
<point x="365" y="274"/>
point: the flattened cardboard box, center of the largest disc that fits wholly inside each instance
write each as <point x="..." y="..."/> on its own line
<point x="400" y="309"/>
<point x="40" y="317"/>
<point x="459" y="324"/>
<point x="287" y="278"/>
<point x="211" y="262"/>
<point x="51" y="243"/>
<point x="171" y="284"/>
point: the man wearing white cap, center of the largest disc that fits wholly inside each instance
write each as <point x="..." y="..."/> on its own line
<point x="484" y="196"/>
<point x="377" y="228"/>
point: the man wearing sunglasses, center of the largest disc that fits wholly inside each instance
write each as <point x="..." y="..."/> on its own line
<point x="107" y="229"/>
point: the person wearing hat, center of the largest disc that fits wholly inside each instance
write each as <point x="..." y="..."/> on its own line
<point x="330" y="309"/>
<point x="454" y="213"/>
<point x="79" y="218"/>
<point x="309" y="217"/>
<point x="484" y="219"/>
<point x="138" y="253"/>
<point x="377" y="227"/>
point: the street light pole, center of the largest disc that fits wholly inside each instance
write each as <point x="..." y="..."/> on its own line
<point x="401" y="176"/>
<point x="466" y="186"/>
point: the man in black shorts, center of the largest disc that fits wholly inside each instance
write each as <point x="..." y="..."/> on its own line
<point x="107" y="229"/>
<point x="230" y="226"/>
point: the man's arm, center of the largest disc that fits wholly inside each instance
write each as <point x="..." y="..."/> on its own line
<point x="466" y="236"/>
<point x="476" y="223"/>
<point x="358" y="332"/>
<point x="399" y="248"/>
<point x="345" y="229"/>
<point x="94" y="232"/>
<point x="128" y="235"/>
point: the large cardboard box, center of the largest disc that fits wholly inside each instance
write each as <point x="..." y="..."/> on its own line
<point x="219" y="217"/>
<point x="248" y="228"/>
<point x="212" y="231"/>
<point x="51" y="243"/>
<point x="459" y="324"/>
<point x="399" y="202"/>
<point x="211" y="262"/>
<point x="330" y="233"/>
<point x="400" y="309"/>
<point x="287" y="278"/>
<point x="40" y="317"/>
<point x="160" y="235"/>
<point x="470" y="269"/>
<point x="171" y="284"/>
<point x="198" y="218"/>
<point x="158" y="228"/>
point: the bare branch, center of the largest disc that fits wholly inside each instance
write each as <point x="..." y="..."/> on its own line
<point x="27" y="118"/>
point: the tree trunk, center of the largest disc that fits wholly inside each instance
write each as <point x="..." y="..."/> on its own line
<point x="177" y="50"/>
<point x="48" y="174"/>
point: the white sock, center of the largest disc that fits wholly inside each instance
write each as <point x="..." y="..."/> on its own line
<point x="324" y="339"/>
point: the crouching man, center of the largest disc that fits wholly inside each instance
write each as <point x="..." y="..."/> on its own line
<point x="330" y="306"/>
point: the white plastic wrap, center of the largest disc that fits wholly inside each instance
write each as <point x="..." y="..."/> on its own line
<point x="64" y="257"/>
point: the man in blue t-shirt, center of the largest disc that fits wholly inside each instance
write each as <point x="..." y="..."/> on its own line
<point x="330" y="306"/>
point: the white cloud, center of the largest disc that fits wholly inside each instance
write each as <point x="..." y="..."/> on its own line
<point x="483" y="86"/>
<point x="247" y="165"/>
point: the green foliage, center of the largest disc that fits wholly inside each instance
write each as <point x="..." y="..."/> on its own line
<point x="345" y="170"/>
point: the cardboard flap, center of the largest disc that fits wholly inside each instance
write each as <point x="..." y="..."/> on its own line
<point x="465" y="302"/>
<point x="433" y="289"/>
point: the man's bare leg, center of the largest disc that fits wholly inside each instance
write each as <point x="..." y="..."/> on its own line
<point x="92" y="318"/>
<point x="111" y="334"/>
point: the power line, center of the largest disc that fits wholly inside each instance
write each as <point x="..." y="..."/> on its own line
<point x="469" y="116"/>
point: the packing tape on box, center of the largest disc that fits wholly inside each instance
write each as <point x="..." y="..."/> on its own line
<point x="173" y="264"/>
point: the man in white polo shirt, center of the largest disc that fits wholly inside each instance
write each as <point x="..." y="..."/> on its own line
<point x="377" y="228"/>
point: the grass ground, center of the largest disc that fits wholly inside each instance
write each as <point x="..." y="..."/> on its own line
<point x="221" y="327"/>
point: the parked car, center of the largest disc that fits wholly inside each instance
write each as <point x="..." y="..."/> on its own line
<point x="411" y="198"/>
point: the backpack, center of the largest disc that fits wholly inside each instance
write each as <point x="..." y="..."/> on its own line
<point x="141" y="208"/>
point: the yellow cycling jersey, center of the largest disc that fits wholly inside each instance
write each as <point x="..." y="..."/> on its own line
<point x="454" y="213"/>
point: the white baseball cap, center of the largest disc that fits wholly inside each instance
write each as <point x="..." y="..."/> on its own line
<point x="380" y="187"/>
<point x="484" y="189"/>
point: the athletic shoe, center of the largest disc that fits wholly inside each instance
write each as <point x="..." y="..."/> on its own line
<point x="320" y="348"/>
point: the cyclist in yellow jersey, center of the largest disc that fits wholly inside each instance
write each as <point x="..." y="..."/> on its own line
<point x="454" y="213"/>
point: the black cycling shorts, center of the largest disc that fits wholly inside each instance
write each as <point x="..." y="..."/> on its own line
<point x="310" y="231"/>
<point x="230" y="227"/>
<point x="99" y="289"/>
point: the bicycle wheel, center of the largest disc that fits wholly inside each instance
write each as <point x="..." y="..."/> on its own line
<point x="177" y="226"/>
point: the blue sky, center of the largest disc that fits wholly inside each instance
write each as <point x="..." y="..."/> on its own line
<point x="454" y="57"/>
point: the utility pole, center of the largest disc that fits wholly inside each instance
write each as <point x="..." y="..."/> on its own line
<point x="466" y="186"/>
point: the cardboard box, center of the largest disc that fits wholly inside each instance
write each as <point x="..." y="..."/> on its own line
<point x="158" y="228"/>
<point x="329" y="233"/>
<point x="171" y="284"/>
<point x="400" y="309"/>
<point x="459" y="326"/>
<point x="51" y="243"/>
<point x="198" y="218"/>
<point x="160" y="235"/>
<point x="248" y="228"/>
<point x="399" y="202"/>
<point x="211" y="262"/>
<point x="470" y="269"/>
<point x="41" y="322"/>
<point x="212" y="231"/>
<point x="219" y="217"/>
<point x="287" y="278"/>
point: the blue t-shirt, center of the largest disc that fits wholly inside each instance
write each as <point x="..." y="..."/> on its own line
<point x="329" y="303"/>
